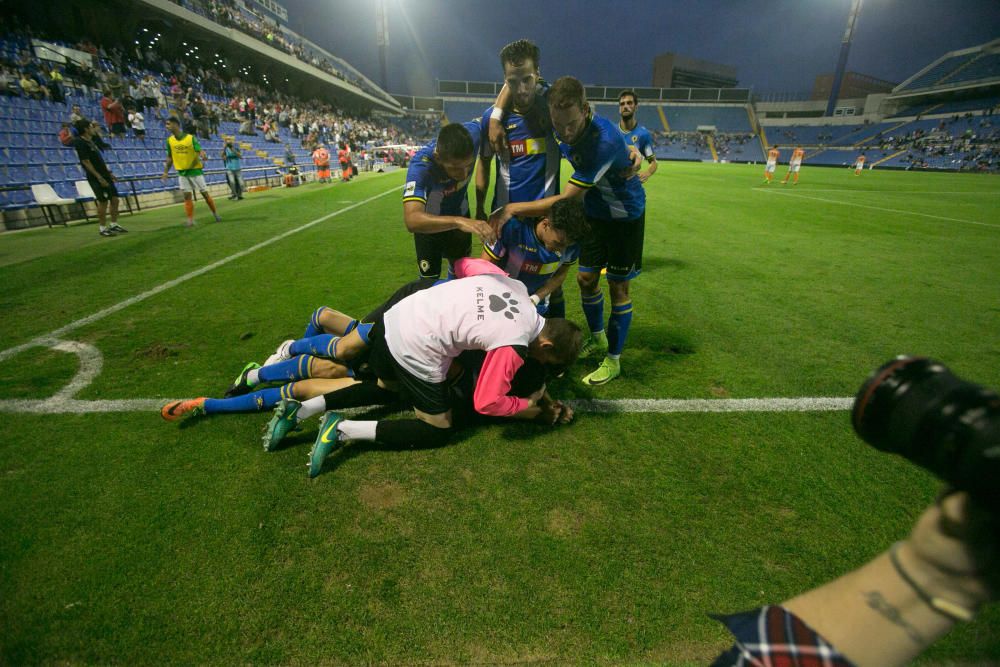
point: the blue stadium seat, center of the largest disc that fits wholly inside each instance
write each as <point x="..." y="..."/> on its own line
<point x="18" y="156"/>
<point x="13" y="200"/>
<point x="37" y="175"/>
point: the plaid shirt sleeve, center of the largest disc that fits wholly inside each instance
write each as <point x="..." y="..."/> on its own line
<point x="774" y="637"/>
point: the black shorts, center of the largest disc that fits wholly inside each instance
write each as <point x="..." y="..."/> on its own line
<point x="431" y="398"/>
<point x="451" y="245"/>
<point x="616" y="245"/>
<point x="375" y="317"/>
<point x="149" y="102"/>
<point x="102" y="192"/>
<point x="117" y="128"/>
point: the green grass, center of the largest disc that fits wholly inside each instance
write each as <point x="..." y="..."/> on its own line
<point x="129" y="540"/>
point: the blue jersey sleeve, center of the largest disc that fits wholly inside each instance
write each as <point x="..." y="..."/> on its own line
<point x="418" y="177"/>
<point x="508" y="236"/>
<point x="475" y="128"/>
<point x="645" y="143"/>
<point x="588" y="173"/>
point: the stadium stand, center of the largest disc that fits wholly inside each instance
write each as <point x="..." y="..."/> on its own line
<point x="937" y="72"/>
<point x="267" y="124"/>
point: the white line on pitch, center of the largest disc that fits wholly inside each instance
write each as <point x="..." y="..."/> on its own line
<point x="901" y="192"/>
<point x="876" y="208"/>
<point x="59" y="404"/>
<point x="110" y="310"/>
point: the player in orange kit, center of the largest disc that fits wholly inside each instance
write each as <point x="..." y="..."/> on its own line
<point x="772" y="163"/>
<point x="794" y="164"/>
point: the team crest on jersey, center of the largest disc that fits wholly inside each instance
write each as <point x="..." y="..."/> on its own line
<point x="635" y="138"/>
<point x="410" y="188"/>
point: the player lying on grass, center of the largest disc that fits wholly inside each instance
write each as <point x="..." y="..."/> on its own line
<point x="411" y="349"/>
<point x="539" y="252"/>
<point x="303" y="368"/>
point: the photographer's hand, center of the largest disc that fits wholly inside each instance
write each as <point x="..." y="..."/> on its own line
<point x="885" y="614"/>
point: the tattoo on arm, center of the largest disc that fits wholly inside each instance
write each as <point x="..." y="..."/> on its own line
<point x="875" y="600"/>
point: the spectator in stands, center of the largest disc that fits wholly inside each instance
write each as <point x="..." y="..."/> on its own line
<point x="8" y="83"/>
<point x="138" y="123"/>
<point x="75" y="114"/>
<point x="114" y="114"/>
<point x="101" y="180"/>
<point x="148" y="89"/>
<point x="231" y="156"/>
<point x="66" y="137"/>
<point x="31" y="89"/>
<point x="55" y="84"/>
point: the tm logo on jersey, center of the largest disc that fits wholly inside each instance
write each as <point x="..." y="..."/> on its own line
<point x="505" y="304"/>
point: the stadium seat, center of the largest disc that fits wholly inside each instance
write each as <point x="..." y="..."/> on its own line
<point x="47" y="199"/>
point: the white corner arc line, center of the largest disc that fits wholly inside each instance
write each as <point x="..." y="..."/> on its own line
<point x="876" y="208"/>
<point x="110" y="310"/>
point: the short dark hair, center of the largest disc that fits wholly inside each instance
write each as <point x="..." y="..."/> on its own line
<point x="517" y="52"/>
<point x="174" y="119"/>
<point x="566" y="215"/>
<point x="81" y="126"/>
<point x="628" y="92"/>
<point x="567" y="92"/>
<point x="566" y="338"/>
<point x="454" y="141"/>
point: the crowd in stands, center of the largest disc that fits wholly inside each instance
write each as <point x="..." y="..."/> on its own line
<point x="137" y="84"/>
<point x="729" y="145"/>
<point x="969" y="143"/>
<point x="226" y="13"/>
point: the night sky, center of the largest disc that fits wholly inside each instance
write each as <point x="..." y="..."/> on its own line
<point x="776" y="45"/>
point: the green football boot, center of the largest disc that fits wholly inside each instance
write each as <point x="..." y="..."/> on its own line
<point x="327" y="440"/>
<point x="283" y="421"/>
<point x="605" y="373"/>
<point x="240" y="385"/>
<point x="596" y="344"/>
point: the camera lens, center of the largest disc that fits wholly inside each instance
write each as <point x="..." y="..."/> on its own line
<point x="917" y="408"/>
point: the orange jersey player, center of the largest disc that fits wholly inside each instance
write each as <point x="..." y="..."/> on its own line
<point x="859" y="164"/>
<point x="772" y="163"/>
<point x="794" y="164"/>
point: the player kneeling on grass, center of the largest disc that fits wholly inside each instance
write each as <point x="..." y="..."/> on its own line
<point x="411" y="349"/>
<point x="186" y="155"/>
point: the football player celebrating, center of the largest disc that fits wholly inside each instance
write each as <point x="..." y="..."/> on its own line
<point x="412" y="345"/>
<point x="540" y="252"/>
<point x="615" y="205"/>
<point x="435" y="199"/>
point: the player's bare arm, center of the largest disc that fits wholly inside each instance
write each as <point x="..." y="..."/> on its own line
<point x="418" y="220"/>
<point x="534" y="209"/>
<point x="482" y="186"/>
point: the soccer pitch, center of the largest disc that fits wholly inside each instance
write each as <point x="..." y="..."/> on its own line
<point x="126" y="539"/>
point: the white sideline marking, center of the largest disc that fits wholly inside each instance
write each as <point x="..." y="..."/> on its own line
<point x="876" y="208"/>
<point x="91" y="363"/>
<point x="902" y="192"/>
<point x="49" y="338"/>
<point x="665" y="405"/>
